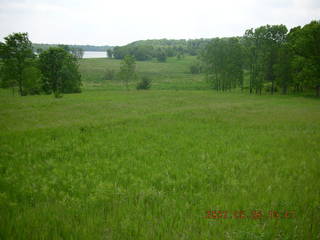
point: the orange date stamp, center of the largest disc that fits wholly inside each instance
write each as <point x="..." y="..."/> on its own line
<point x="254" y="214"/>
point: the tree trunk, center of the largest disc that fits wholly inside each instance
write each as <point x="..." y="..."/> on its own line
<point x="20" y="85"/>
<point x="318" y="90"/>
<point x="251" y="77"/>
<point x="284" y="89"/>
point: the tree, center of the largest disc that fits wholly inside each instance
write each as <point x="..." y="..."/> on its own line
<point x="32" y="80"/>
<point x="109" y="53"/>
<point x="139" y="52"/>
<point x="77" y="52"/>
<point x="283" y="68"/>
<point x="305" y="44"/>
<point x="127" y="69"/>
<point x="262" y="46"/>
<point x="120" y="52"/>
<point x="59" y="71"/>
<point x="16" y="53"/>
<point x="142" y="53"/>
<point x="274" y="40"/>
<point x="161" y="56"/>
<point x="195" y="67"/>
<point x="65" y="47"/>
<point x="39" y="50"/>
<point x="223" y="63"/>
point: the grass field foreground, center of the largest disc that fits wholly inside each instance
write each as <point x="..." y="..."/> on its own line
<point x="150" y="164"/>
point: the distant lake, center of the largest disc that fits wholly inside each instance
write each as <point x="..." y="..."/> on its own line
<point x="92" y="54"/>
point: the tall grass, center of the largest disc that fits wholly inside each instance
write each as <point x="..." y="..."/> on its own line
<point x="149" y="165"/>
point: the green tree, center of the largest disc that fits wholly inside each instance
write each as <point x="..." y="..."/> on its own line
<point x="262" y="45"/>
<point x="16" y="53"/>
<point x="127" y="69"/>
<point x="305" y="44"/>
<point x="195" y="67"/>
<point x="110" y="53"/>
<point x="59" y="71"/>
<point x="39" y="50"/>
<point x="32" y="80"/>
<point x="283" y="68"/>
<point x="161" y="56"/>
<point x="223" y="63"/>
<point x="77" y="52"/>
<point x="142" y="53"/>
<point x="65" y="47"/>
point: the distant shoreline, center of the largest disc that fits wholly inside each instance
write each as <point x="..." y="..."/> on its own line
<point x="90" y="48"/>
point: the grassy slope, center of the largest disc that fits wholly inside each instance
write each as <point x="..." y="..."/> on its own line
<point x="173" y="74"/>
<point x="148" y="165"/>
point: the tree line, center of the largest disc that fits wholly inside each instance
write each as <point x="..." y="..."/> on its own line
<point x="268" y="58"/>
<point x="54" y="70"/>
<point x="45" y="46"/>
<point x="274" y="58"/>
<point x="159" y="49"/>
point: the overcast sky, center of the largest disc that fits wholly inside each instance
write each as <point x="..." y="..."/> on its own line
<point x="118" y="22"/>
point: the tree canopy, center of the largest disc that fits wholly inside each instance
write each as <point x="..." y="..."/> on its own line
<point x="127" y="69"/>
<point x="17" y="55"/>
<point x="273" y="58"/>
<point x="60" y="71"/>
<point x="223" y="63"/>
<point x="160" y="49"/>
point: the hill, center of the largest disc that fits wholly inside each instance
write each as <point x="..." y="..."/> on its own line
<point x="148" y="49"/>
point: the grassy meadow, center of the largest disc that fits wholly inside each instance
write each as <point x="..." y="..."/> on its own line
<point x="173" y="74"/>
<point x="115" y="164"/>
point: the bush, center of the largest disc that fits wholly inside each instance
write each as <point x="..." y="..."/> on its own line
<point x="195" y="68"/>
<point x="110" y="74"/>
<point x="144" y="84"/>
<point x="161" y="56"/>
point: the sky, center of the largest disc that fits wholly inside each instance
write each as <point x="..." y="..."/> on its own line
<point x="119" y="22"/>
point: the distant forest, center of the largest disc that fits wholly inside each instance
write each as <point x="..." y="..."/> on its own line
<point x="159" y="48"/>
<point x="45" y="46"/>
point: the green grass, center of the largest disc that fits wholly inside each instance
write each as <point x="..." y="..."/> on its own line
<point x="150" y="164"/>
<point x="171" y="75"/>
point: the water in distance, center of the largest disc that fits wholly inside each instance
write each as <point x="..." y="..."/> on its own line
<point x="92" y="54"/>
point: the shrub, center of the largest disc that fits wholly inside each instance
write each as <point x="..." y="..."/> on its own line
<point x="161" y="56"/>
<point x="195" y="68"/>
<point x="110" y="74"/>
<point x="144" y="84"/>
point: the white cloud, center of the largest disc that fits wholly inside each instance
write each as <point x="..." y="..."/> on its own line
<point x="122" y="21"/>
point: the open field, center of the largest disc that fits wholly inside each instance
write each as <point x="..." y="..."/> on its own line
<point x="150" y="164"/>
<point x="171" y="75"/>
